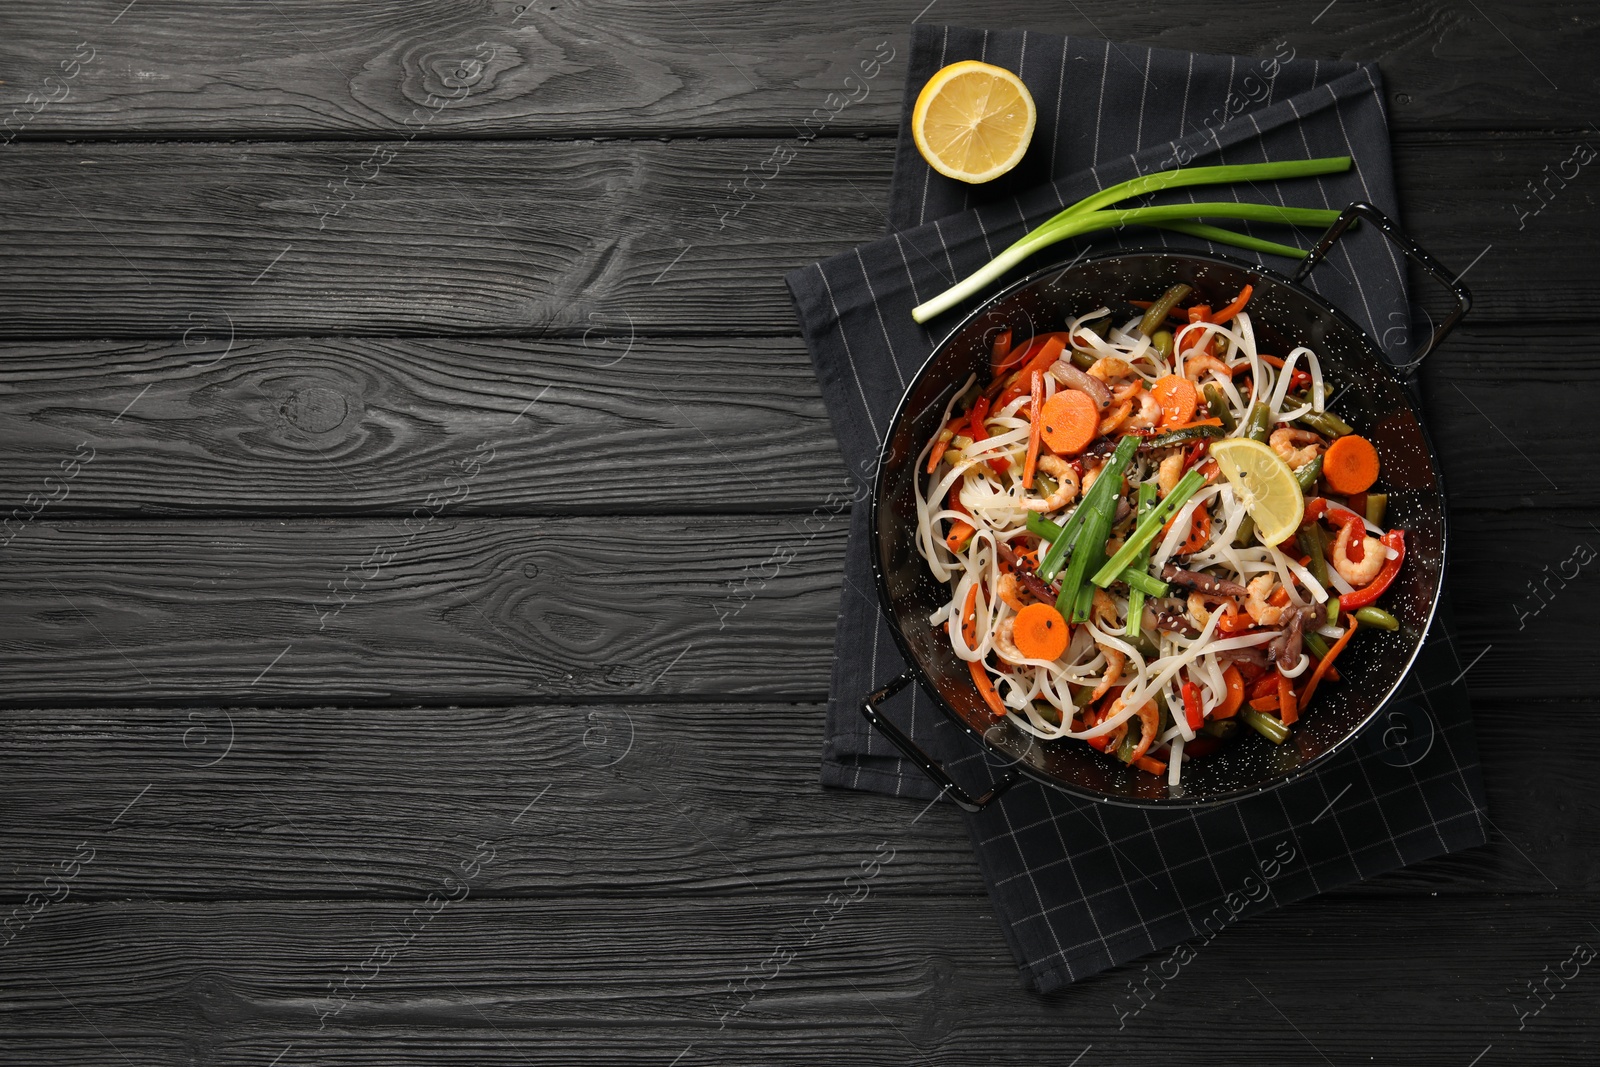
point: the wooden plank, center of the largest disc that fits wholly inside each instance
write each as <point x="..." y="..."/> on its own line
<point x="326" y="426"/>
<point x="886" y="981"/>
<point x="425" y="609"/>
<point x="485" y="611"/>
<point x="106" y="240"/>
<point x="360" y="68"/>
<point x="330" y="426"/>
<point x="613" y="801"/>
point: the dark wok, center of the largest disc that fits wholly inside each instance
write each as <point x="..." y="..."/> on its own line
<point x="1371" y="394"/>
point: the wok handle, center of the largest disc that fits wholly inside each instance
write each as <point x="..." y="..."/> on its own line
<point x="1413" y="251"/>
<point x="915" y="753"/>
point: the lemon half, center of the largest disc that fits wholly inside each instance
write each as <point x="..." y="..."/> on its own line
<point x="973" y="121"/>
<point x="1265" y="486"/>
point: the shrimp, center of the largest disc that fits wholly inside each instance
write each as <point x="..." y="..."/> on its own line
<point x="1104" y="612"/>
<point x="1149" y="414"/>
<point x="1089" y="476"/>
<point x="1169" y="473"/>
<point x="1127" y="390"/>
<point x="1005" y="646"/>
<point x="1285" y="438"/>
<point x="1196" y="365"/>
<point x="1107" y="368"/>
<point x="1115" y="416"/>
<point x="1200" y="605"/>
<point x="1259" y="589"/>
<point x="1362" y="572"/>
<point x="1009" y="590"/>
<point x="1066" y="485"/>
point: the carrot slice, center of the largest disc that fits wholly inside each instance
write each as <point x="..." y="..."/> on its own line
<point x="969" y="617"/>
<point x="986" y="689"/>
<point x="1287" y="711"/>
<point x="1233" y="698"/>
<point x="1071" y="421"/>
<point x="1265" y="703"/>
<point x="958" y="536"/>
<point x="1177" y="397"/>
<point x="1327" y="664"/>
<point x="1040" y="632"/>
<point x="1351" y="464"/>
<point x="1036" y="415"/>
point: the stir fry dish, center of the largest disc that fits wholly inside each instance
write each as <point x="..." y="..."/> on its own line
<point x="1153" y="532"/>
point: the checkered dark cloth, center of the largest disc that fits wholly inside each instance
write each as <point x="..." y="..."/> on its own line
<point x="1080" y="887"/>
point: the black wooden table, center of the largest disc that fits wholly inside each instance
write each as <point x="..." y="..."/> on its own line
<point x="400" y="429"/>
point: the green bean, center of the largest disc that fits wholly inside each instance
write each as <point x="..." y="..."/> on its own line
<point x="1130" y="741"/>
<point x="1326" y="423"/>
<point x="1377" y="504"/>
<point x="1246" y="534"/>
<point x="1307" y="475"/>
<point x="1149" y="527"/>
<point x="1315" y="642"/>
<point x="1219" y="407"/>
<point x="1185" y="436"/>
<point x="1157" y="314"/>
<point x="1259" y="424"/>
<point x="1223" y="728"/>
<point x="1268" y="726"/>
<point x="1377" y="617"/>
<point x="1048" y="712"/>
<point x="1083" y="360"/>
<point x="1163" y="342"/>
<point x="1333" y="611"/>
<point x="1099" y="327"/>
<point x="1310" y="538"/>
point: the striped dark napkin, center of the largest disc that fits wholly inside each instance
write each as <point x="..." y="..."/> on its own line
<point x="1080" y="887"/>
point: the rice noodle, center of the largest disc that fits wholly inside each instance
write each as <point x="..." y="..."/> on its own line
<point x="1048" y="699"/>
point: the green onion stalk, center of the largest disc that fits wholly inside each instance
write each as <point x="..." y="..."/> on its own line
<point x="1086" y="216"/>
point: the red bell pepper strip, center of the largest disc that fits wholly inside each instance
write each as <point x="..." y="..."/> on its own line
<point x="1234" y="308"/>
<point x="976" y="430"/>
<point x="1395" y="539"/>
<point x="998" y="351"/>
<point x="1191" y="705"/>
<point x="1287" y="711"/>
<point x="1356" y="546"/>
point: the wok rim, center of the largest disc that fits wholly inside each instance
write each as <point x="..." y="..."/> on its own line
<point x="914" y="665"/>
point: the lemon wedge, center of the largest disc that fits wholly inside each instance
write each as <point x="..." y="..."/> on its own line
<point x="1265" y="486"/>
<point x="973" y="121"/>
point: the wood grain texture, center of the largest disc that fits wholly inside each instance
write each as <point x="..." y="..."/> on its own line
<point x="323" y="426"/>
<point x="440" y="612"/>
<point x="358" y="69"/>
<point x="484" y="611"/>
<point x="707" y="800"/>
<point x="154" y="240"/>
<point x="888" y="981"/>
